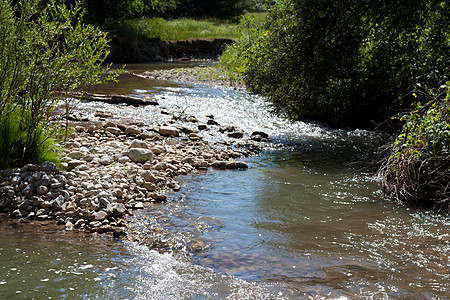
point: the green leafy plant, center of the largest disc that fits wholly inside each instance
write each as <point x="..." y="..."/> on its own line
<point x="48" y="53"/>
<point x="347" y="63"/>
<point x="418" y="170"/>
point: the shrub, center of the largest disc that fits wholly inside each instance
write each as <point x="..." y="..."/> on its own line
<point x="46" y="52"/>
<point x="418" y="171"/>
<point x="346" y="63"/>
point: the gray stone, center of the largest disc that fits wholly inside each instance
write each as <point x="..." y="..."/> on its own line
<point x="58" y="202"/>
<point x="69" y="226"/>
<point x="236" y="135"/>
<point x="74" y="163"/>
<point x="28" y="190"/>
<point x="133" y="130"/>
<point x="56" y="185"/>
<point x="158" y="149"/>
<point x="105" y="160"/>
<point x="148" y="176"/>
<point x="116" y="209"/>
<point x="40" y="212"/>
<point x="42" y="190"/>
<point x="229" y="165"/>
<point x="149" y="186"/>
<point x="49" y="167"/>
<point x="123" y="159"/>
<point x="16" y="180"/>
<point x="139" y="205"/>
<point x="139" y="144"/>
<point x="94" y="224"/>
<point x="16" y="214"/>
<point x="114" y="130"/>
<point x="212" y="122"/>
<point x="100" y="215"/>
<point x="168" y="131"/>
<point x="75" y="154"/>
<point x="140" y="155"/>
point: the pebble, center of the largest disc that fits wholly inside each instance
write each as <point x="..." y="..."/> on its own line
<point x="95" y="191"/>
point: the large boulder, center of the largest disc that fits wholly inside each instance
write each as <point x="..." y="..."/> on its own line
<point x="140" y="155"/>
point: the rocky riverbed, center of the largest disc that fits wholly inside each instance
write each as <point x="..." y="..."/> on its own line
<point x="215" y="75"/>
<point x="115" y="167"/>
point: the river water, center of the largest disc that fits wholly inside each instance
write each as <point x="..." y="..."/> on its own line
<point x="305" y="221"/>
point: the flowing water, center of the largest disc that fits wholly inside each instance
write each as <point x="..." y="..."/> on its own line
<point x="305" y="221"/>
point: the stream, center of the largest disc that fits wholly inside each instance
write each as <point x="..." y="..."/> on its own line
<point x="305" y="221"/>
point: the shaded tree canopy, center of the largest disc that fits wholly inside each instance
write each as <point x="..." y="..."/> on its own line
<point x="348" y="63"/>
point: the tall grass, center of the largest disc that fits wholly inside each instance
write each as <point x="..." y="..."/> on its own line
<point x="159" y="29"/>
<point x="13" y="146"/>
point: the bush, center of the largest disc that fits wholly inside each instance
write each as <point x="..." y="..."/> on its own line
<point x="46" y="52"/>
<point x="347" y="63"/>
<point x="418" y="171"/>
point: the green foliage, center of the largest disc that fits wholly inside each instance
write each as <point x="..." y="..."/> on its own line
<point x="48" y="51"/>
<point x="418" y="171"/>
<point x="221" y="9"/>
<point x="348" y="63"/>
<point x="102" y="10"/>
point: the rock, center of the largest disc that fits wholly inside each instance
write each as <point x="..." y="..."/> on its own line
<point x="194" y="137"/>
<point x="68" y="206"/>
<point x="100" y="215"/>
<point x="42" y="190"/>
<point x="28" y="190"/>
<point x="185" y="129"/>
<point x="229" y="165"/>
<point x="116" y="209"/>
<point x="56" y="185"/>
<point x="212" y="122"/>
<point x="94" y="224"/>
<point x="58" y="202"/>
<point x="140" y="155"/>
<point x="48" y="167"/>
<point x="256" y="138"/>
<point x="139" y="144"/>
<point x="148" y="176"/>
<point x="227" y="129"/>
<point x="69" y="226"/>
<point x="159" y="197"/>
<point x="260" y="133"/>
<point x="168" y="131"/>
<point x="16" y="180"/>
<point x="31" y="167"/>
<point x="202" y="127"/>
<point x="105" y="160"/>
<point x="114" y="130"/>
<point x="236" y="135"/>
<point x="16" y="214"/>
<point x="132" y="130"/>
<point x="75" y="154"/>
<point x="158" y="149"/>
<point x="40" y="212"/>
<point x="127" y="122"/>
<point x="149" y="186"/>
<point x="74" y="163"/>
<point x="123" y="159"/>
<point x="138" y="205"/>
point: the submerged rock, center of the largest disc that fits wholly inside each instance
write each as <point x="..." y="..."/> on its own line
<point x="223" y="165"/>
